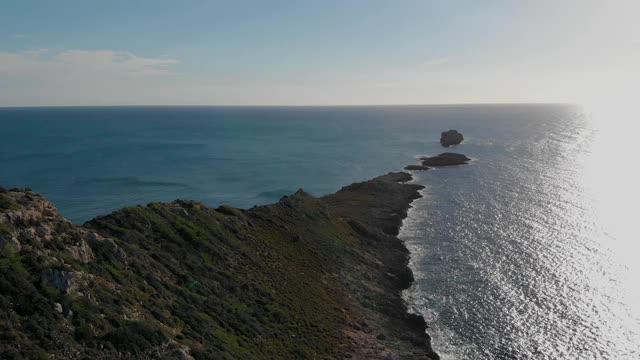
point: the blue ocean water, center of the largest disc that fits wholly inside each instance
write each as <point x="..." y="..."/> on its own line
<point x="94" y="160"/>
<point x="528" y="252"/>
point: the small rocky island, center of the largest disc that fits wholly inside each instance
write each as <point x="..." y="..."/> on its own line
<point x="445" y="159"/>
<point x="451" y="137"/>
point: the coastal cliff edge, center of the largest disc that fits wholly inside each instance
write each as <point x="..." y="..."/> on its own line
<point x="306" y="277"/>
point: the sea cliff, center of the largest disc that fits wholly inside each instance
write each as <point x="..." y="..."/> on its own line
<point x="305" y="277"/>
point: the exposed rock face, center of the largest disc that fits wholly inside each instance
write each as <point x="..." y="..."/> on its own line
<point x="65" y="281"/>
<point x="445" y="159"/>
<point x="81" y="251"/>
<point x="106" y="248"/>
<point x="451" y="137"/>
<point x="416" y="167"/>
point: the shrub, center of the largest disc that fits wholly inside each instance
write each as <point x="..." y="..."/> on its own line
<point x="4" y="230"/>
<point x="136" y="337"/>
<point x="6" y="203"/>
<point x="11" y="261"/>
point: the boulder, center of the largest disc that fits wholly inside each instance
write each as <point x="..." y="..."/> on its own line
<point x="445" y="159"/>
<point x="57" y="307"/>
<point x="451" y="137"/>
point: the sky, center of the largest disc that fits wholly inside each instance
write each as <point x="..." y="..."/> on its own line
<point x="330" y="52"/>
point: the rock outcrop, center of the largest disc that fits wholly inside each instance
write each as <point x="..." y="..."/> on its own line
<point x="71" y="282"/>
<point x="451" y="137"/>
<point x="445" y="159"/>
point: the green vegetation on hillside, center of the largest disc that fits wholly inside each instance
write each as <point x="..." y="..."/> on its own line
<point x="182" y="280"/>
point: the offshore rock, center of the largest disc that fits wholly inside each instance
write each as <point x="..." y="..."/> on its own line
<point x="451" y="137"/>
<point x="445" y="159"/>
<point x="416" y="167"/>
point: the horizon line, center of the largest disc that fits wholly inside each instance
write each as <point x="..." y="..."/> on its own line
<point x="285" y="105"/>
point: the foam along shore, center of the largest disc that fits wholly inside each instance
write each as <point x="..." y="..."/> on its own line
<point x="305" y="277"/>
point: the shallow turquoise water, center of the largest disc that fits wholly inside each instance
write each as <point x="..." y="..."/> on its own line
<point x="522" y="254"/>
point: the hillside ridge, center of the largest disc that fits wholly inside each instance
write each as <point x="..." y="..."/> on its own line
<point x="305" y="277"/>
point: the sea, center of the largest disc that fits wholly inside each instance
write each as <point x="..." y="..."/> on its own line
<point x="529" y="252"/>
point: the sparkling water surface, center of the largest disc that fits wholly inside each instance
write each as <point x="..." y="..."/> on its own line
<point x="528" y="252"/>
<point x="516" y="256"/>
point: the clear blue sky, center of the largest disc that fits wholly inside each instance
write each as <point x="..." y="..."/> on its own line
<point x="305" y="52"/>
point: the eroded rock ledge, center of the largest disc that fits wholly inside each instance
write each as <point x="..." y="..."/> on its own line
<point x="302" y="278"/>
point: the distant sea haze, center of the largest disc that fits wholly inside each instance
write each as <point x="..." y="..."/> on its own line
<point x="511" y="255"/>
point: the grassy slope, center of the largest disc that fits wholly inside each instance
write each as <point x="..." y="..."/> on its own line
<point x="302" y="278"/>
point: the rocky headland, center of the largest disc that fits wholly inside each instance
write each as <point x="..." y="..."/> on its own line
<point x="306" y="277"/>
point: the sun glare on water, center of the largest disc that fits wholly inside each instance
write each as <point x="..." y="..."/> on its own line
<point x="610" y="173"/>
<point x="611" y="179"/>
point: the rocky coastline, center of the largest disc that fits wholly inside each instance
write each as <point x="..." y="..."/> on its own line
<point x="305" y="277"/>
